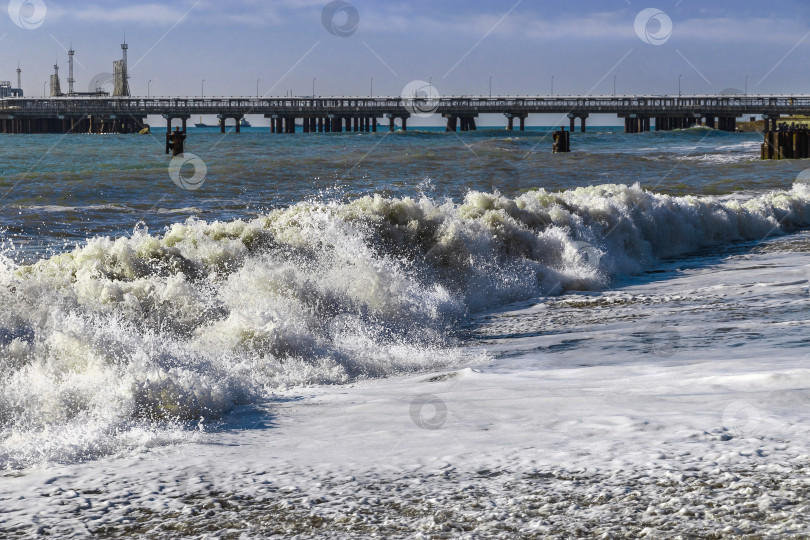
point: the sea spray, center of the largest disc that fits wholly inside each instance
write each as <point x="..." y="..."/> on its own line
<point x="130" y="341"/>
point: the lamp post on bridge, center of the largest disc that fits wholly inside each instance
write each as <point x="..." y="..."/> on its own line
<point x="614" y="85"/>
<point x="202" y="89"/>
<point x="679" y="85"/>
<point x="43" y="88"/>
<point x="746" y="84"/>
<point x="371" y="88"/>
<point x="257" y="88"/>
<point x="552" y="86"/>
<point x="148" y="87"/>
<point x="490" y="86"/>
<point x="313" y="86"/>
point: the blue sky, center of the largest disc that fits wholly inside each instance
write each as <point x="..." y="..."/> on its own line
<point x="457" y="45"/>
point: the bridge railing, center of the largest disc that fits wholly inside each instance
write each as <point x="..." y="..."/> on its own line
<point x="380" y="105"/>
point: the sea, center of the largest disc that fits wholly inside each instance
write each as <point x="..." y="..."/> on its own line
<point x="403" y="334"/>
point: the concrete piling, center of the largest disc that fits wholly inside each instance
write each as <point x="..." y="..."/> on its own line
<point x="786" y="143"/>
<point x="562" y="141"/>
<point x="175" y="141"/>
<point x="171" y="137"/>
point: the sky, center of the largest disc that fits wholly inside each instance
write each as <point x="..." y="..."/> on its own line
<point x="461" y="47"/>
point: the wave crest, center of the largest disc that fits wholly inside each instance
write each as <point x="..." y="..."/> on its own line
<point x="122" y="340"/>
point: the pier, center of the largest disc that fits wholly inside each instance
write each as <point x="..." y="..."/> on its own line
<point x="124" y="114"/>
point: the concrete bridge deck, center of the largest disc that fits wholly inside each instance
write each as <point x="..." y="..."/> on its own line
<point x="64" y="114"/>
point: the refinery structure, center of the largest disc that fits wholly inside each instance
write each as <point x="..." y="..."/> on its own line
<point x="7" y="91"/>
<point x="60" y="113"/>
<point x="119" y="81"/>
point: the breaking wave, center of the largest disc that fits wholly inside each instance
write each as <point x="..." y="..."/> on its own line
<point x="131" y="341"/>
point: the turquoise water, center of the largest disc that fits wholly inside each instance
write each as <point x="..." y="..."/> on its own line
<point x="58" y="190"/>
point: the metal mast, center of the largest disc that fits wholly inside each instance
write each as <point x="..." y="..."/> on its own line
<point x="71" y="80"/>
<point x="19" y="78"/>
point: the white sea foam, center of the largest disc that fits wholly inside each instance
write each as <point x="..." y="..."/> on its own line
<point x="123" y="342"/>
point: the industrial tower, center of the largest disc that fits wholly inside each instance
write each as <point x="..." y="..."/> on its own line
<point x="120" y="75"/>
<point x="56" y="89"/>
<point x="19" y="76"/>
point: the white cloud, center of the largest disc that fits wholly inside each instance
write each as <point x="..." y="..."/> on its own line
<point x="143" y="13"/>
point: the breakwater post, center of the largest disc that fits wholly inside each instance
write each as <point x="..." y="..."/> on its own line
<point x="175" y="141"/>
<point x="786" y="143"/>
<point x="169" y="118"/>
<point x="562" y="141"/>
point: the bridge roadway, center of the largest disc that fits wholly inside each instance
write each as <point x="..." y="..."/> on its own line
<point x="332" y="114"/>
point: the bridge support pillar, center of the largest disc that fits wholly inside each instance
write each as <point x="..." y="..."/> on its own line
<point x="727" y="123"/>
<point x="452" y="122"/>
<point x="374" y="124"/>
<point x="631" y="125"/>
<point x="403" y="116"/>
<point x="771" y="122"/>
<point x="572" y="116"/>
<point x="521" y="116"/>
